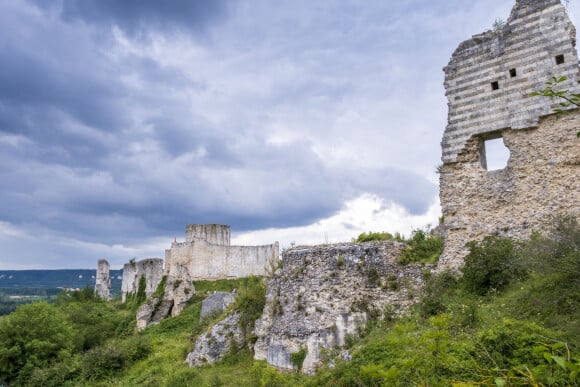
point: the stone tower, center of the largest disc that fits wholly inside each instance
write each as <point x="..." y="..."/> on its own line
<point x="103" y="280"/>
<point x="488" y="82"/>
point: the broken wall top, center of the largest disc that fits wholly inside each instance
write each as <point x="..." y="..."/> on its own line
<point x="490" y="77"/>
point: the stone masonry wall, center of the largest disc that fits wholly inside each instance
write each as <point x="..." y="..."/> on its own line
<point x="103" y="280"/>
<point x="542" y="178"/>
<point x="151" y="269"/>
<point x="542" y="174"/>
<point x="322" y="294"/>
<point x="207" y="261"/>
<point x="520" y="58"/>
<point x="216" y="234"/>
<point x="200" y="259"/>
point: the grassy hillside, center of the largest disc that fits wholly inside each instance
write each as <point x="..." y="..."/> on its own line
<point x="513" y="319"/>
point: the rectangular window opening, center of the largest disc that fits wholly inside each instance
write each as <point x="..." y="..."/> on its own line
<point x="559" y="59"/>
<point x="513" y="73"/>
<point x="495" y="85"/>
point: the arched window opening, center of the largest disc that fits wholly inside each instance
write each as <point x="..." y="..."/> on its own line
<point x="494" y="154"/>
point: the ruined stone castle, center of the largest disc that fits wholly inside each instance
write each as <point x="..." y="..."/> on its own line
<point x="489" y="82"/>
<point x="206" y="254"/>
<point x="322" y="294"/>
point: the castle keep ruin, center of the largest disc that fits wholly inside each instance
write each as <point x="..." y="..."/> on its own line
<point x="206" y="254"/>
<point x="489" y="82"/>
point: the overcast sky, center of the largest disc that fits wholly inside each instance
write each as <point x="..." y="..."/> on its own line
<point x="295" y="121"/>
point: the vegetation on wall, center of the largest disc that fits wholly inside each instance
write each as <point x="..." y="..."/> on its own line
<point x="373" y="237"/>
<point x="422" y="246"/>
<point x="567" y="98"/>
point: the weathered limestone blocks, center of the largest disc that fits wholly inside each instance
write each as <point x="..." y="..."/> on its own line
<point x="490" y="77"/>
<point x="150" y="269"/>
<point x="216" y="234"/>
<point x="542" y="179"/>
<point x="177" y="290"/>
<point x="216" y="302"/>
<point x="489" y="82"/>
<point x="208" y="255"/>
<point x="323" y="294"/>
<point x="103" y="280"/>
<point x="213" y="345"/>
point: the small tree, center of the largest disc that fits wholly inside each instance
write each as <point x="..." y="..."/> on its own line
<point x="491" y="265"/>
<point x="568" y="99"/>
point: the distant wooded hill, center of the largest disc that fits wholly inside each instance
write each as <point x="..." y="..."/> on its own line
<point x="70" y="278"/>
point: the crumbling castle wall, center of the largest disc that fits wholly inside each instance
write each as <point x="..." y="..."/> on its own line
<point x="206" y="254"/>
<point x="103" y="279"/>
<point x="489" y="82"/>
<point x="151" y="269"/>
<point x="323" y="294"/>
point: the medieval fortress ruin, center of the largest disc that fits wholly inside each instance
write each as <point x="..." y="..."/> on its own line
<point x="321" y="294"/>
<point x="206" y="254"/>
<point x="489" y="82"/>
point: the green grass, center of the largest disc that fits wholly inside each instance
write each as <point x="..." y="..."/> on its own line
<point x="522" y="329"/>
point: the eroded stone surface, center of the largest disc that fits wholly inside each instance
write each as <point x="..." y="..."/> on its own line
<point x="542" y="176"/>
<point x="216" y="302"/>
<point x="518" y="59"/>
<point x="323" y="294"/>
<point x="151" y="269"/>
<point x="103" y="280"/>
<point x="213" y="345"/>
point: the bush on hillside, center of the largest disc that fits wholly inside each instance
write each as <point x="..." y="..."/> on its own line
<point x="492" y="264"/>
<point x="35" y="336"/>
<point x="558" y="252"/>
<point x="421" y="247"/>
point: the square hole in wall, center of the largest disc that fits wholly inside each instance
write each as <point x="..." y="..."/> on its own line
<point x="495" y="85"/>
<point x="559" y="59"/>
<point x="513" y="73"/>
<point x="494" y="154"/>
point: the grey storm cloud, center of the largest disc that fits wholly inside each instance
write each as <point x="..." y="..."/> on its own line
<point x="257" y="114"/>
<point x="138" y="16"/>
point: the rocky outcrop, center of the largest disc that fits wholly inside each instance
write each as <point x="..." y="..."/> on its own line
<point x="323" y="294"/>
<point x="215" y="344"/>
<point x="216" y="303"/>
<point x="103" y="280"/>
<point x="177" y="290"/>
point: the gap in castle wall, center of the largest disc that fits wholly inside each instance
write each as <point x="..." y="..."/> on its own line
<point x="495" y="154"/>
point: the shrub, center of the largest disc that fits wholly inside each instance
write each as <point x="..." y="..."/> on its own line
<point x="250" y="303"/>
<point x="101" y="363"/>
<point x="374" y="276"/>
<point x="558" y="252"/>
<point x="297" y="358"/>
<point x="373" y="237"/>
<point x="136" y="348"/>
<point x="35" y="336"/>
<point x="422" y="247"/>
<point x="491" y="265"/>
<point x="434" y="290"/>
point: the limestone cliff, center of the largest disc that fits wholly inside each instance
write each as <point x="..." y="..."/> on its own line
<point x="323" y="294"/>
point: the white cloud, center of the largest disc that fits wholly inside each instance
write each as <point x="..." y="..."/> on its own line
<point x="365" y="213"/>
